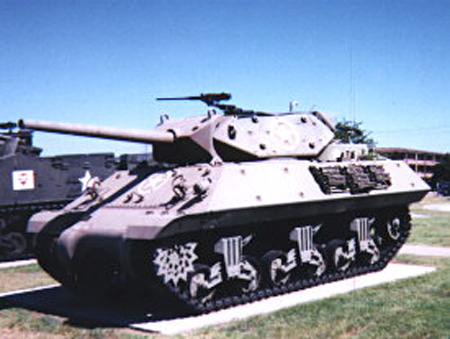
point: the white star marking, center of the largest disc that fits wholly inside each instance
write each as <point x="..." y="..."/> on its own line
<point x="85" y="181"/>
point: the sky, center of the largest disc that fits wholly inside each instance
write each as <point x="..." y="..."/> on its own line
<point x="385" y="63"/>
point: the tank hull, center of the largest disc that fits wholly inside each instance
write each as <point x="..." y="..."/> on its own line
<point x="217" y="235"/>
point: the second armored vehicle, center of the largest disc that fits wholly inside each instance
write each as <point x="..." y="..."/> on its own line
<point x="243" y="205"/>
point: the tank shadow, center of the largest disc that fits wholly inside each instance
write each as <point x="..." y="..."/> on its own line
<point x="122" y="311"/>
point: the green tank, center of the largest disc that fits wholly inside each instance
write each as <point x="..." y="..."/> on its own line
<point x="241" y="205"/>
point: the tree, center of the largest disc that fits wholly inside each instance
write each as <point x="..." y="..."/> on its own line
<point x="441" y="171"/>
<point x="351" y="132"/>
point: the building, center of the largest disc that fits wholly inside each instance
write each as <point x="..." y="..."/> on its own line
<point x="421" y="162"/>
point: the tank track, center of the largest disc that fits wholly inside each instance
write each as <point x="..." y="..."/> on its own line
<point x="15" y="243"/>
<point x="388" y="249"/>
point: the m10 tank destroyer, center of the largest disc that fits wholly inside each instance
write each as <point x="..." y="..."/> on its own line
<point x="30" y="183"/>
<point x="242" y="205"/>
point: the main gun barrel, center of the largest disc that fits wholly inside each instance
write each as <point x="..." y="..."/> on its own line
<point x="134" y="135"/>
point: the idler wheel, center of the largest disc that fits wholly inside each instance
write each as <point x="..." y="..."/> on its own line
<point x="393" y="229"/>
<point x="390" y="229"/>
<point x="273" y="263"/>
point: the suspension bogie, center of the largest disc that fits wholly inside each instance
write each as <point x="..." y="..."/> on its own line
<point x="247" y="264"/>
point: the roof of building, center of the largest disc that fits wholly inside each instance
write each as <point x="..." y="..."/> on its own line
<point x="404" y="150"/>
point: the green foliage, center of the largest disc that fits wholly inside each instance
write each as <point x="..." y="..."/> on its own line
<point x="441" y="172"/>
<point x="351" y="132"/>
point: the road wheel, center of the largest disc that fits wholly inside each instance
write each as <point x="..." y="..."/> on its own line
<point x="197" y="284"/>
<point x="338" y="256"/>
<point x="13" y="244"/>
<point x="272" y="268"/>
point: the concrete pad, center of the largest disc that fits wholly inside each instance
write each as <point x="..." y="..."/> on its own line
<point x="438" y="207"/>
<point x="423" y="250"/>
<point x="419" y="216"/>
<point x="143" y="315"/>
<point x="17" y="263"/>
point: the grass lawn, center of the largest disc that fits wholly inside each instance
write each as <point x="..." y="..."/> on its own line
<point x="430" y="227"/>
<point x="413" y="308"/>
<point x="23" y="277"/>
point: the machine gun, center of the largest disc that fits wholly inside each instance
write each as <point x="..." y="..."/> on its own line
<point x="12" y="140"/>
<point x="8" y="125"/>
<point x="214" y="99"/>
<point x="210" y="99"/>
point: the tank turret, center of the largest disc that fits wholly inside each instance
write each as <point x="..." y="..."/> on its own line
<point x="13" y="142"/>
<point x="242" y="205"/>
<point x="237" y="135"/>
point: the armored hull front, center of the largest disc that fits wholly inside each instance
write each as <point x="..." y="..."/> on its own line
<point x="216" y="235"/>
